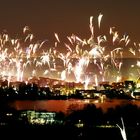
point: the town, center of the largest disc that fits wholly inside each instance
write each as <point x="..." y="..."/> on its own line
<point x="76" y="123"/>
<point x="46" y="88"/>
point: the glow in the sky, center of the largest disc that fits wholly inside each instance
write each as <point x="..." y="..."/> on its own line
<point x="97" y="58"/>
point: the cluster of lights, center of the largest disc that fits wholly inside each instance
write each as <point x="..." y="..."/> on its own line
<point x="24" y="57"/>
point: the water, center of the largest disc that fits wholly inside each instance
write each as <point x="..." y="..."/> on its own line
<point x="66" y="105"/>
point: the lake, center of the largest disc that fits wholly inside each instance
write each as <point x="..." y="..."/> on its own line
<point x="64" y="105"/>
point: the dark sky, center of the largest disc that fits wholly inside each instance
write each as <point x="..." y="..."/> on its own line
<point x="65" y="17"/>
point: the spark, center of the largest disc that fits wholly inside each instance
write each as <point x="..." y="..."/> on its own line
<point x="56" y="35"/>
<point x="87" y="80"/>
<point x="138" y="63"/>
<point x="91" y="26"/>
<point x="99" y="20"/>
<point x="63" y="75"/>
<point x="123" y="132"/>
<point x="132" y="51"/>
<point x="26" y="29"/>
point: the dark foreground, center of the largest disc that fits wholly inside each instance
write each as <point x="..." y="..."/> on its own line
<point x="72" y="133"/>
<point x="89" y="123"/>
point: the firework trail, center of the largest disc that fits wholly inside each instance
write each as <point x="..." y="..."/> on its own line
<point x="123" y="132"/>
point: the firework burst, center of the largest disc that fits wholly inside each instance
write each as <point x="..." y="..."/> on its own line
<point x="19" y="57"/>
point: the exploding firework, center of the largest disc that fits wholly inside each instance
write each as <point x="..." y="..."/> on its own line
<point x="94" y="59"/>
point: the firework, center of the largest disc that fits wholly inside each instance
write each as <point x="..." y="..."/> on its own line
<point x="123" y="132"/>
<point x="23" y="57"/>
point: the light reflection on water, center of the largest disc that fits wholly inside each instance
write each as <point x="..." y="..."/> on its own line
<point x="64" y="105"/>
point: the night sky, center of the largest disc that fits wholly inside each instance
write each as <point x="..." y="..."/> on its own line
<point x="65" y="17"/>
